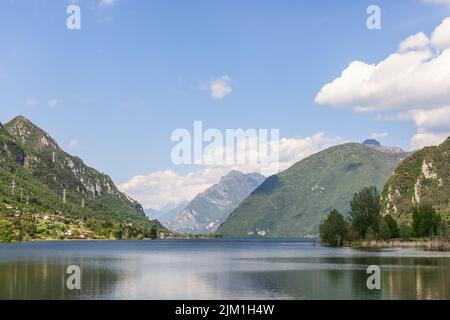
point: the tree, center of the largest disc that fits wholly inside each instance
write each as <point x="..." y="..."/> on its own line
<point x="385" y="231"/>
<point x="7" y="232"/>
<point x="393" y="226"/>
<point x="404" y="232"/>
<point x="118" y="233"/>
<point x="444" y="230"/>
<point x="153" y="233"/>
<point x="334" y="230"/>
<point x="426" y="221"/>
<point x="370" y="234"/>
<point x="365" y="210"/>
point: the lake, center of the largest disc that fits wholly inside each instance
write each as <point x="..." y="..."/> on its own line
<point x="218" y="269"/>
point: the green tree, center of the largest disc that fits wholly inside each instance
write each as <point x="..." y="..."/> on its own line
<point x="7" y="231"/>
<point x="385" y="231"/>
<point x="426" y="221"/>
<point x="153" y="233"/>
<point x="393" y="226"/>
<point x="370" y="234"/>
<point x="444" y="230"/>
<point x="334" y="230"/>
<point x="404" y="232"/>
<point x="365" y="210"/>
<point x="118" y="233"/>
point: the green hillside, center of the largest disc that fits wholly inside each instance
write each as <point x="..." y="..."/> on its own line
<point x="56" y="196"/>
<point x="422" y="179"/>
<point x="294" y="202"/>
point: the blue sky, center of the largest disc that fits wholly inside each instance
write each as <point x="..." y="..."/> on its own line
<point x="113" y="92"/>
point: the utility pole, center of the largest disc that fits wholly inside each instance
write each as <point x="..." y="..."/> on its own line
<point x="82" y="202"/>
<point x="64" y="195"/>
<point x="53" y="156"/>
<point x="13" y="188"/>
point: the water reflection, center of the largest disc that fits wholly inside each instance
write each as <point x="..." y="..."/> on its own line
<point x="217" y="269"/>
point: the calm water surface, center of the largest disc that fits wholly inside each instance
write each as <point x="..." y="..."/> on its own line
<point x="218" y="269"/>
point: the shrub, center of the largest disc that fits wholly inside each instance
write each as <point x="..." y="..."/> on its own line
<point x="385" y="231"/>
<point x="404" y="232"/>
<point x="393" y="226"/>
<point x="426" y="221"/>
<point x="334" y="230"/>
<point x="7" y="232"/>
<point x="370" y="234"/>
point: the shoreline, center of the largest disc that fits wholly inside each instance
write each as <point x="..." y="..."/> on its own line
<point x="439" y="245"/>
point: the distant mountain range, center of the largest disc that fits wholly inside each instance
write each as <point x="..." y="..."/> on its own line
<point x="167" y="212"/>
<point x="210" y="208"/>
<point x="40" y="183"/>
<point x="422" y="178"/>
<point x="294" y="202"/>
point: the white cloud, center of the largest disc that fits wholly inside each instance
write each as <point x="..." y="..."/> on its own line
<point x="413" y="79"/>
<point x="52" y="103"/>
<point x="162" y="187"/>
<point x="220" y="87"/>
<point x="379" y="135"/>
<point x="441" y="35"/>
<point x="424" y="139"/>
<point x="432" y="125"/>
<point x="406" y="84"/>
<point x="31" y="102"/>
<point x="436" y="120"/>
<point x="73" y="143"/>
<point x="417" y="41"/>
<point x="107" y="3"/>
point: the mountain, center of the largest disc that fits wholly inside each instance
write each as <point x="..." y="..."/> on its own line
<point x="372" y="142"/>
<point x="152" y="213"/>
<point x="422" y="178"/>
<point x="171" y="211"/>
<point x="294" y="202"/>
<point x="40" y="183"/>
<point x="377" y="145"/>
<point x="211" y="207"/>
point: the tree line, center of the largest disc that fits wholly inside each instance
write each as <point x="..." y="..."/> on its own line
<point x="366" y="222"/>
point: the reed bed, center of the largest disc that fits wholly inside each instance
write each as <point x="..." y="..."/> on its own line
<point x="433" y="244"/>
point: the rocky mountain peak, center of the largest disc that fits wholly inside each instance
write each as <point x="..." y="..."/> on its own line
<point x="211" y="207"/>
<point x="372" y="142"/>
<point x="30" y="134"/>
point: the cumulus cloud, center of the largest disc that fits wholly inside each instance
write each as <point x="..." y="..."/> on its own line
<point x="424" y="139"/>
<point x="220" y="87"/>
<point x="407" y="83"/>
<point x="160" y="188"/>
<point x="441" y="35"/>
<point x="417" y="41"/>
